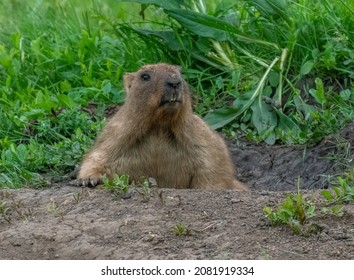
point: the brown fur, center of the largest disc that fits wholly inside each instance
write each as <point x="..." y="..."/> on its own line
<point x="166" y="141"/>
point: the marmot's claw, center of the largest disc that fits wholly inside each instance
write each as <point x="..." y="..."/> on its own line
<point x="90" y="182"/>
<point x="93" y="182"/>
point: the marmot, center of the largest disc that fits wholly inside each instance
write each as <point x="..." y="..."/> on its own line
<point x="155" y="134"/>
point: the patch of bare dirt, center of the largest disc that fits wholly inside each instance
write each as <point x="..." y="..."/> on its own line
<point x="65" y="222"/>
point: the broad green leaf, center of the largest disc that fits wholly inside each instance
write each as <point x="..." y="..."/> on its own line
<point x="269" y="136"/>
<point x="8" y="156"/>
<point x="327" y="194"/>
<point x="273" y="78"/>
<point x="21" y="153"/>
<point x="345" y="94"/>
<point x="302" y="107"/>
<point x="264" y="118"/>
<point x="245" y="100"/>
<point x="306" y="67"/>
<point x="66" y="100"/>
<point x="319" y="93"/>
<point x="212" y="27"/>
<point x="219" y="83"/>
<point x="106" y="87"/>
<point x="201" y="24"/>
<point x="34" y="113"/>
<point x="220" y="117"/>
<point x="287" y="124"/>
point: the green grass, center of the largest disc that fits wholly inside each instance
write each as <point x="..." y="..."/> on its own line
<point x="297" y="212"/>
<point x="294" y="211"/>
<point x="271" y="70"/>
<point x="181" y="229"/>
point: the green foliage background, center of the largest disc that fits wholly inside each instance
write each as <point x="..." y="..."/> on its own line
<point x="270" y="70"/>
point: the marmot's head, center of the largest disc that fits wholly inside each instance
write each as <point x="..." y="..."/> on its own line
<point x="159" y="87"/>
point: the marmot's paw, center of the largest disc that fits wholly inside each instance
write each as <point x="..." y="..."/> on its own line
<point x="90" y="182"/>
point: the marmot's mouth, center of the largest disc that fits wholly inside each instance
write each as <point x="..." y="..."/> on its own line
<point x="170" y="99"/>
<point x="169" y="102"/>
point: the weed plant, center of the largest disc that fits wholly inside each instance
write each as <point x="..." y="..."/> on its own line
<point x="119" y="185"/>
<point x="181" y="229"/>
<point x="272" y="70"/>
<point x="296" y="211"/>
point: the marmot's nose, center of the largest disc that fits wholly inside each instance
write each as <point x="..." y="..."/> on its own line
<point x="173" y="83"/>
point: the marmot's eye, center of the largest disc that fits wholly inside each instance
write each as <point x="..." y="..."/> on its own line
<point x="145" y="77"/>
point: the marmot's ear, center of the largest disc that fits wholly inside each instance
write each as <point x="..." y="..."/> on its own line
<point x="179" y="68"/>
<point x="128" y="81"/>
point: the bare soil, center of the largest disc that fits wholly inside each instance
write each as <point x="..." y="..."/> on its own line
<point x="66" y="222"/>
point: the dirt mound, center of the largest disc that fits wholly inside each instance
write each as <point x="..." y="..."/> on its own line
<point x="56" y="224"/>
<point x="65" y="222"/>
<point x="277" y="168"/>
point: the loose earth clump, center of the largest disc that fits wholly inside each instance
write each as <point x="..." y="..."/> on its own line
<point x="66" y="222"/>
